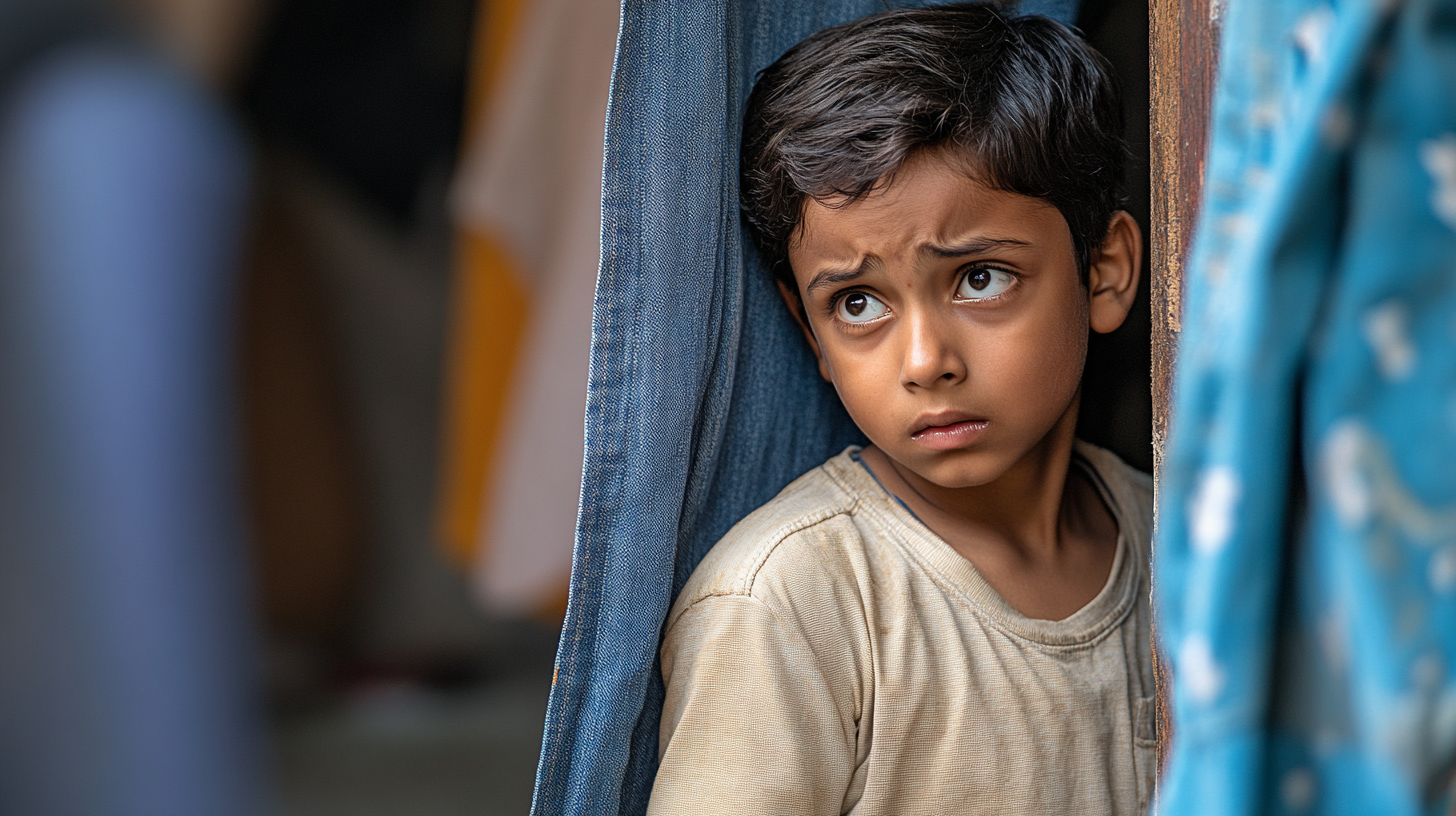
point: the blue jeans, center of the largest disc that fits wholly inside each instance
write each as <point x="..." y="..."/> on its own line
<point x="703" y="400"/>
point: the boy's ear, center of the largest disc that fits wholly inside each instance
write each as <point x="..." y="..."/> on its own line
<point x="1112" y="280"/>
<point x="796" y="308"/>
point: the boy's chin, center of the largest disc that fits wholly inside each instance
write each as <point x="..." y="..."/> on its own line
<point x="980" y="464"/>
<point x="955" y="469"/>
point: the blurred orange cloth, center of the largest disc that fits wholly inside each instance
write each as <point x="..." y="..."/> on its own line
<point x="527" y="203"/>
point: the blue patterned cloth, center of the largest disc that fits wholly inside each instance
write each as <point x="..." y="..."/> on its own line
<point x="703" y="400"/>
<point x="1306" y="563"/>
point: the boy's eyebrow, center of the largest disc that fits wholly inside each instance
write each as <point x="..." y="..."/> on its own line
<point x="829" y="277"/>
<point x="974" y="246"/>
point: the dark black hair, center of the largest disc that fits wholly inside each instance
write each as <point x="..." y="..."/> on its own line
<point x="1036" y="110"/>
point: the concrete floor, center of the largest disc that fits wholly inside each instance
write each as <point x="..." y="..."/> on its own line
<point x="405" y="750"/>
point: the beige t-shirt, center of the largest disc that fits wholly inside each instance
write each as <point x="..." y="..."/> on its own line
<point x="832" y="655"/>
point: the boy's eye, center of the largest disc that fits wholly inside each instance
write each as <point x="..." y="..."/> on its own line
<point x="860" y="307"/>
<point x="984" y="282"/>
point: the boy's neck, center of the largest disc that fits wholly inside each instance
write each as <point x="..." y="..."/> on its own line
<point x="1041" y="534"/>
<point x="1024" y="506"/>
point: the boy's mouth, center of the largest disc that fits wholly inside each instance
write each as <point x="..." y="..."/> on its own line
<point x="948" y="431"/>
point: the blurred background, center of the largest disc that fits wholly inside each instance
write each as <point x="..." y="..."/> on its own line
<point x="295" y="304"/>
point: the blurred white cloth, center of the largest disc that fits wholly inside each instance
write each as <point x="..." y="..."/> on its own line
<point x="531" y="178"/>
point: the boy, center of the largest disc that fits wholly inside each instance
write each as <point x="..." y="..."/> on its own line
<point x="955" y="618"/>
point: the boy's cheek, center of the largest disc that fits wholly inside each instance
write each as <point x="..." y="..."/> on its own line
<point x="1023" y="385"/>
<point x="871" y="393"/>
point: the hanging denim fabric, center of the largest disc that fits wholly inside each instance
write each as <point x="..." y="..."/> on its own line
<point x="1306" y="569"/>
<point x="703" y="399"/>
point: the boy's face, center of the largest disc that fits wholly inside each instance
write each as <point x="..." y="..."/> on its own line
<point x="951" y="318"/>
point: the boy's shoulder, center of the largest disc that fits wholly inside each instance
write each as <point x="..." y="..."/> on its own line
<point x="1130" y="488"/>
<point x="809" y="517"/>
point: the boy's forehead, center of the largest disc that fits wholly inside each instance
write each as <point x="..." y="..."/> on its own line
<point x="928" y="202"/>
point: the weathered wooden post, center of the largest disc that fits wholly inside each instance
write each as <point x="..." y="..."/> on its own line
<point x="1183" y="57"/>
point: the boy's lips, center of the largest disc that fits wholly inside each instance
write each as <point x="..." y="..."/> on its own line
<point x="948" y="431"/>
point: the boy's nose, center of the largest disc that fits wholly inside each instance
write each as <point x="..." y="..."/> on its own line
<point x="931" y="357"/>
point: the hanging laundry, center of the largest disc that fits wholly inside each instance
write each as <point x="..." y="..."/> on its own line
<point x="1306" y="565"/>
<point x="528" y="203"/>
<point x="127" y="662"/>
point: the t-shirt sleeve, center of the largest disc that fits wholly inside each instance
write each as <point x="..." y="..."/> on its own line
<point x="751" y="722"/>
